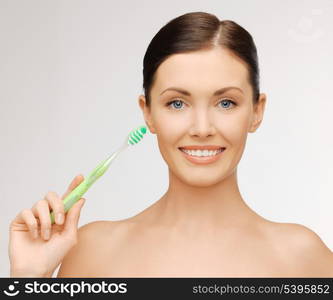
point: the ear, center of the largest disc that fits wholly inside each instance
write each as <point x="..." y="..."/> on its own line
<point x="258" y="113"/>
<point x="146" y="113"/>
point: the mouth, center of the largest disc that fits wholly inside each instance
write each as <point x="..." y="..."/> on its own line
<point x="203" y="156"/>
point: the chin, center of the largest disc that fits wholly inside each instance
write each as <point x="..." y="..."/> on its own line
<point x="199" y="180"/>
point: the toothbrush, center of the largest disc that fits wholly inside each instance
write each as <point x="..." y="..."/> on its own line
<point x="134" y="137"/>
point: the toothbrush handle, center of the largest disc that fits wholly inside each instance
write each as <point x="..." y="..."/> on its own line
<point x="73" y="197"/>
<point x="78" y="192"/>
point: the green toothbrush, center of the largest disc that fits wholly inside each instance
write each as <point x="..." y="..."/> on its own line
<point x="134" y="137"/>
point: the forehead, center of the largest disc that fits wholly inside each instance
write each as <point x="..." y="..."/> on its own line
<point x="202" y="71"/>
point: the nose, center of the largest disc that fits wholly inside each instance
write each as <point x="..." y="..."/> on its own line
<point x="202" y="124"/>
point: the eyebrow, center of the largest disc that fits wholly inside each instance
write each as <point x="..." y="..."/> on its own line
<point x="216" y="93"/>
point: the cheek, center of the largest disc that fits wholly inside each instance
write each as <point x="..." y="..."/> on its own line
<point x="234" y="128"/>
<point x="169" y="127"/>
<point x="167" y="132"/>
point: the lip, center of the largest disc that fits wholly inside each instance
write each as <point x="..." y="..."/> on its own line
<point x="202" y="160"/>
<point x="201" y="147"/>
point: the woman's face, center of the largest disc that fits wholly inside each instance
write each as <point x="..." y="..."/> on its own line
<point x="197" y="116"/>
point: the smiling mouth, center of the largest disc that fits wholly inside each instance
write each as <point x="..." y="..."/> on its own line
<point x="202" y="157"/>
<point x="202" y="153"/>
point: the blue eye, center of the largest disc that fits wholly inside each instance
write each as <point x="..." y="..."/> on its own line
<point x="177" y="102"/>
<point x="225" y="103"/>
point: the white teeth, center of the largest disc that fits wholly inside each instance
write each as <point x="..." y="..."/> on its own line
<point x="202" y="152"/>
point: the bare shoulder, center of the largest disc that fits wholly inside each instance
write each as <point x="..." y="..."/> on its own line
<point x="304" y="249"/>
<point x="302" y="237"/>
<point x="92" y="238"/>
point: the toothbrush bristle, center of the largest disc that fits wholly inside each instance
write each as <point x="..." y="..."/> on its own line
<point x="136" y="135"/>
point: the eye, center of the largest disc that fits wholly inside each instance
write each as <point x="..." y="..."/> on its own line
<point x="226" y="103"/>
<point x="178" y="104"/>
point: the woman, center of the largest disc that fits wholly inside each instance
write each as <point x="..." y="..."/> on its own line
<point x="201" y="99"/>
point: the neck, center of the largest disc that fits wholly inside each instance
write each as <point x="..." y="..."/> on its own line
<point x="201" y="208"/>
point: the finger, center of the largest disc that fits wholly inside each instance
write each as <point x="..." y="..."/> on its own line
<point x="75" y="182"/>
<point x="18" y="219"/>
<point x="72" y="218"/>
<point x="30" y="220"/>
<point x="57" y="206"/>
<point x="42" y="210"/>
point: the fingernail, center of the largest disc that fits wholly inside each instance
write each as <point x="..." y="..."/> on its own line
<point x="47" y="234"/>
<point x="59" y="218"/>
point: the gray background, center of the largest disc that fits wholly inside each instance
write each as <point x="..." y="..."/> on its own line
<point x="70" y="77"/>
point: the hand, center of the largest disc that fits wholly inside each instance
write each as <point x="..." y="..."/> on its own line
<point x="32" y="251"/>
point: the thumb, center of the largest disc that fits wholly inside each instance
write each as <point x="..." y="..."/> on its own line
<point x="72" y="218"/>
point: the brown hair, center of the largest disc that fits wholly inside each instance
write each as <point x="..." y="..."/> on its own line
<point x="198" y="31"/>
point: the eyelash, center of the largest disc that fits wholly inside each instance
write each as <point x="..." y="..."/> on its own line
<point x="175" y="100"/>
